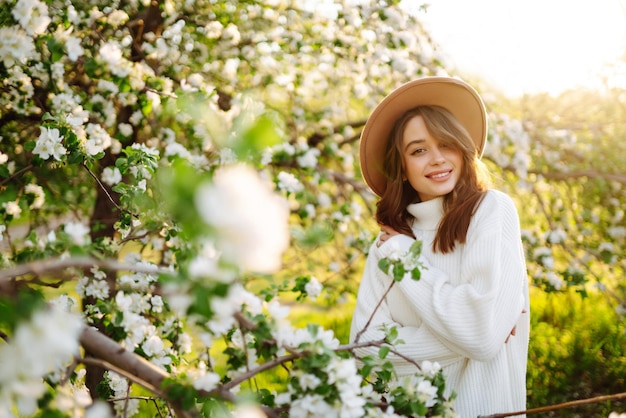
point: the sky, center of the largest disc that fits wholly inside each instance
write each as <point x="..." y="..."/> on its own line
<point x="528" y="46"/>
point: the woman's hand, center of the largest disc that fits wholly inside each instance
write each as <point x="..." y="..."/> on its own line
<point x="514" y="330"/>
<point x="386" y="233"/>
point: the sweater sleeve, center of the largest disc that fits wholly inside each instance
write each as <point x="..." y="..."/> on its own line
<point x="476" y="317"/>
<point x="419" y="343"/>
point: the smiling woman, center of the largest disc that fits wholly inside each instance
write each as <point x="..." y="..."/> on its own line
<point x="529" y="46"/>
<point x="466" y="310"/>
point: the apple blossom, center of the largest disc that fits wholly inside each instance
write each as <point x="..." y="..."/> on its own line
<point x="49" y="144"/>
<point x="250" y="219"/>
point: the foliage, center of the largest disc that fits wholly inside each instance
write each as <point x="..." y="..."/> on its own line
<point x="576" y="352"/>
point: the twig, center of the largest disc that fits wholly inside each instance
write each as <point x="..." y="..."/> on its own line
<point x="369" y="321"/>
<point x="564" y="405"/>
<point x="16" y="174"/>
<point x="121" y="209"/>
<point x="134" y="379"/>
<point x="281" y="360"/>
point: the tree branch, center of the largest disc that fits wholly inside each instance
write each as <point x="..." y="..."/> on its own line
<point x="564" y="405"/>
<point x="16" y="174"/>
<point x="49" y="265"/>
<point x="110" y="355"/>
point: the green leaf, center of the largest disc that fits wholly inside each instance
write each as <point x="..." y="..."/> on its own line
<point x="19" y="308"/>
<point x="186" y="395"/>
<point x="392" y="334"/>
<point x="384" y="351"/>
<point x="384" y="264"/>
<point x="261" y="135"/>
<point x="56" y="49"/>
<point x="30" y="145"/>
<point x="398" y="272"/>
<point x="416" y="248"/>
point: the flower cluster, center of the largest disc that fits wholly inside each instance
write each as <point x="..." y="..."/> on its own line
<point x="399" y="263"/>
<point x="43" y="345"/>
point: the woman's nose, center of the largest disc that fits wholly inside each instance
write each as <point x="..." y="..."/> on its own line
<point x="436" y="156"/>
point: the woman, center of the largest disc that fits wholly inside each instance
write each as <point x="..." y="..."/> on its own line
<point x="420" y="152"/>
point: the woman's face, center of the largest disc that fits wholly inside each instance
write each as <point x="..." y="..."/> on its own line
<point x="431" y="167"/>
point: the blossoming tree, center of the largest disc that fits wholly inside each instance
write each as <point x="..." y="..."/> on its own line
<point x="169" y="170"/>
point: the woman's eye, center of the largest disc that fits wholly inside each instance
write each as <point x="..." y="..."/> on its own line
<point x="417" y="151"/>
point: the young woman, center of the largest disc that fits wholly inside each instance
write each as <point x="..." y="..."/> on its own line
<point x="420" y="152"/>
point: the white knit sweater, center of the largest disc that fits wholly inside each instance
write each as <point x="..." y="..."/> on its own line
<point x="463" y="308"/>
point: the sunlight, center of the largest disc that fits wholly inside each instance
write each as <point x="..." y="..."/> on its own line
<point x="529" y="46"/>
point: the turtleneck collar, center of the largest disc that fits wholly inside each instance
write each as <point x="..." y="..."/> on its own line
<point x="427" y="214"/>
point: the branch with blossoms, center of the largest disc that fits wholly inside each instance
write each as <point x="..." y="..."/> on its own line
<point x="45" y="267"/>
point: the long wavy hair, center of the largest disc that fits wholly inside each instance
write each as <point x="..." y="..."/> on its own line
<point x="459" y="205"/>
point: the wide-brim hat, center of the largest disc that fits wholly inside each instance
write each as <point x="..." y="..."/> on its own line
<point x="455" y="95"/>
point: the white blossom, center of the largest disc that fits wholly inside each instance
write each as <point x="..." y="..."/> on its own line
<point x="98" y="139"/>
<point x="49" y="144"/>
<point x="157" y="303"/>
<point x="16" y="46"/>
<point x="310" y="406"/>
<point x="12" y="208"/>
<point x="38" y="347"/>
<point x="313" y="288"/>
<point x="309" y="158"/>
<point x="289" y="183"/>
<point x="152" y="346"/>
<point x="98" y="289"/>
<point x="119" y="386"/>
<point x="111" y="175"/>
<point x="554" y="279"/>
<point x="250" y="220"/>
<point x="323" y="200"/>
<point x="309" y="381"/>
<point x="32" y="15"/>
<point x="74" y="48"/>
<point x="37" y="191"/>
<point x="430" y="368"/>
<point x="203" y="379"/>
<point x="117" y="17"/>
<point x="99" y="409"/>
<point x="427" y="393"/>
<point x="125" y="129"/>
<point x="556" y="236"/>
<point x="111" y="54"/>
<point x="617" y="232"/>
<point x="77" y="231"/>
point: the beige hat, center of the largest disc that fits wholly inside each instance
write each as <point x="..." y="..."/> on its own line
<point x="452" y="94"/>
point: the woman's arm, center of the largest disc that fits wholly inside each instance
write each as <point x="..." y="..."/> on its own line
<point x="419" y="343"/>
<point x="477" y="317"/>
